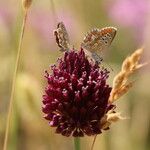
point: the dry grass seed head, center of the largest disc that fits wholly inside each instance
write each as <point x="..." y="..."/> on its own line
<point x="119" y="80"/>
<point x="130" y="64"/>
<point x="123" y="90"/>
<point x="26" y="4"/>
<point x="109" y="118"/>
<point x="126" y="65"/>
<point x="135" y="57"/>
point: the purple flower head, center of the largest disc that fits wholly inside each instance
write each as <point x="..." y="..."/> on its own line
<point x="76" y="95"/>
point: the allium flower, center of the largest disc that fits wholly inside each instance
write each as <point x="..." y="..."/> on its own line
<point x="76" y="96"/>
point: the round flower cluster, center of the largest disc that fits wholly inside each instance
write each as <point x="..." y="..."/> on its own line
<point x="76" y="95"/>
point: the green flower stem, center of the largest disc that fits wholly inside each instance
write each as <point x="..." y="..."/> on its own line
<point x="77" y="143"/>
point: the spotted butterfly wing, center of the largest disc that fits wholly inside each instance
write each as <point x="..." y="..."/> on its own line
<point x="98" y="39"/>
<point x="62" y="38"/>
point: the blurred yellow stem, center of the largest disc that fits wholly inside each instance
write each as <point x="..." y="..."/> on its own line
<point x="92" y="147"/>
<point x="14" y="81"/>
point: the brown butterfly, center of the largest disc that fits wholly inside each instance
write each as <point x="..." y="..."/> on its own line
<point x="97" y="40"/>
<point x="94" y="41"/>
<point x="62" y="38"/>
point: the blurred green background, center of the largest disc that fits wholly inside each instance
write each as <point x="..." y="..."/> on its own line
<point x="28" y="129"/>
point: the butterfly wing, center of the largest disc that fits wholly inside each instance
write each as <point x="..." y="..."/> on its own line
<point x="62" y="38"/>
<point x="98" y="39"/>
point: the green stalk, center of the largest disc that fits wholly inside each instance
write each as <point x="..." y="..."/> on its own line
<point x="76" y="143"/>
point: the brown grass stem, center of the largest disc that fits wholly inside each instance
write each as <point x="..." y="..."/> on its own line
<point x="92" y="147"/>
<point x="14" y="80"/>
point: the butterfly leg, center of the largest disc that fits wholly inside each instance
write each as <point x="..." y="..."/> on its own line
<point x="97" y="58"/>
